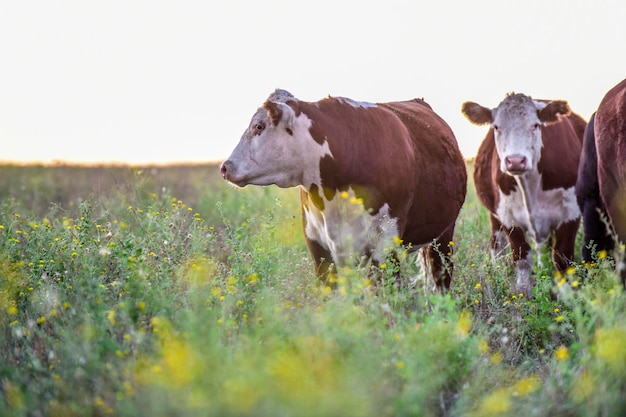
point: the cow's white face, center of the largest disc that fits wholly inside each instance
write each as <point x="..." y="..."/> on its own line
<point x="517" y="123"/>
<point x="276" y="148"/>
<point x="517" y="132"/>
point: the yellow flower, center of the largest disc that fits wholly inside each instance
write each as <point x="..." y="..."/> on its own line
<point x="397" y="240"/>
<point x="610" y="344"/>
<point x="495" y="403"/>
<point x="464" y="324"/>
<point x="483" y="347"/>
<point x="526" y="386"/>
<point x="602" y="254"/>
<point x="561" y="353"/>
<point x="111" y="317"/>
<point x="496" y="358"/>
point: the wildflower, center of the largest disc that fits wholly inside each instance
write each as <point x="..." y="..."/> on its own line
<point x="570" y="270"/>
<point x="397" y="240"/>
<point x="610" y="344"/>
<point x="575" y="284"/>
<point x="526" y="386"/>
<point x="497" y="402"/>
<point x="41" y="320"/>
<point x="111" y="317"/>
<point x="400" y="365"/>
<point x="483" y="347"/>
<point x="496" y="358"/>
<point x="561" y="353"/>
<point x="602" y="254"/>
<point x="253" y="278"/>
<point x="478" y="286"/>
<point x="464" y="324"/>
<point x="559" y="318"/>
<point x="12" y="310"/>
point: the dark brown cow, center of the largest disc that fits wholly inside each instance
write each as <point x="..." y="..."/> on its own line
<point x="525" y="173"/>
<point x="597" y="236"/>
<point x="610" y="143"/>
<point x="369" y="174"/>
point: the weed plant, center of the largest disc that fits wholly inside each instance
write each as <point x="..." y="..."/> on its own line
<point x="166" y="292"/>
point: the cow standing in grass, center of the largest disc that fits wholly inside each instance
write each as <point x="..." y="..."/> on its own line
<point x="369" y="174"/>
<point x="601" y="184"/>
<point x="525" y="172"/>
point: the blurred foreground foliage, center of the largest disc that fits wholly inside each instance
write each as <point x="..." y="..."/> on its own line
<point x="160" y="291"/>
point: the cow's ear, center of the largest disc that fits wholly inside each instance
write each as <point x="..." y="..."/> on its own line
<point x="278" y="112"/>
<point x="550" y="113"/>
<point x="476" y="113"/>
<point x="274" y="111"/>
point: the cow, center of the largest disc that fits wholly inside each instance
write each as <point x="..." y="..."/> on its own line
<point x="371" y="175"/>
<point x="525" y="173"/>
<point x="597" y="234"/>
<point x="609" y="198"/>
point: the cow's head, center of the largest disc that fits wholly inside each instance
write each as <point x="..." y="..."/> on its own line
<point x="276" y="148"/>
<point x="516" y="124"/>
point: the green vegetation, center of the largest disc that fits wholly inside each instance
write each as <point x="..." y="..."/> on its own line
<point x="166" y="292"/>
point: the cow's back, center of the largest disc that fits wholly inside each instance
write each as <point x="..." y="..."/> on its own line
<point x="439" y="169"/>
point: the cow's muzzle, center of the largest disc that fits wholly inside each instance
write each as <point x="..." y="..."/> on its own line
<point x="516" y="164"/>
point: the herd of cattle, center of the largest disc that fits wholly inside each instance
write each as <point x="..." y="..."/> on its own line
<point x="373" y="176"/>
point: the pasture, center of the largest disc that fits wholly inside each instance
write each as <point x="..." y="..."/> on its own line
<point x="163" y="291"/>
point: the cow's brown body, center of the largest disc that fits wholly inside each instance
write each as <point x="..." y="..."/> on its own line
<point x="369" y="174"/>
<point x="527" y="182"/>
<point x="609" y="131"/>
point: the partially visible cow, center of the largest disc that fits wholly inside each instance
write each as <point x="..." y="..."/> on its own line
<point x="525" y="172"/>
<point x="610" y="143"/>
<point x="369" y="174"/>
<point x="597" y="235"/>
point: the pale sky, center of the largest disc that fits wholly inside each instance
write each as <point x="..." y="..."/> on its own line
<point x="177" y="81"/>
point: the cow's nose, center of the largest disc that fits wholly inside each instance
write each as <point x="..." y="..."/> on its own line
<point x="515" y="163"/>
<point x="226" y="165"/>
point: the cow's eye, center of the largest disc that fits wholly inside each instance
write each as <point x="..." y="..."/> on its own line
<point x="257" y="128"/>
<point x="536" y="126"/>
<point x="496" y="127"/>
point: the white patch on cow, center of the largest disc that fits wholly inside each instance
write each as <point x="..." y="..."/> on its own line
<point x="354" y="103"/>
<point x="537" y="211"/>
<point x="349" y="231"/>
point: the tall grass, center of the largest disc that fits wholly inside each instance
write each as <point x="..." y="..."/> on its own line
<point x="166" y="292"/>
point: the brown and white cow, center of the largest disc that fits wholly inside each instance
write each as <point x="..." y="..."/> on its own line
<point x="369" y="174"/>
<point x="525" y="172"/>
<point x="609" y="196"/>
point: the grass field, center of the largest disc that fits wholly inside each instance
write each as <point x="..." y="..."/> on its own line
<point x="162" y="291"/>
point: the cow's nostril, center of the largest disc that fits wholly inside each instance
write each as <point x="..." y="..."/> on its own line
<point x="224" y="168"/>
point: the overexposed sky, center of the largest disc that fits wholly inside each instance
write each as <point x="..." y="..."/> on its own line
<point x="162" y="81"/>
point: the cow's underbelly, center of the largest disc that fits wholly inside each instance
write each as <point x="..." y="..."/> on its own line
<point x="348" y="231"/>
<point x="540" y="213"/>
